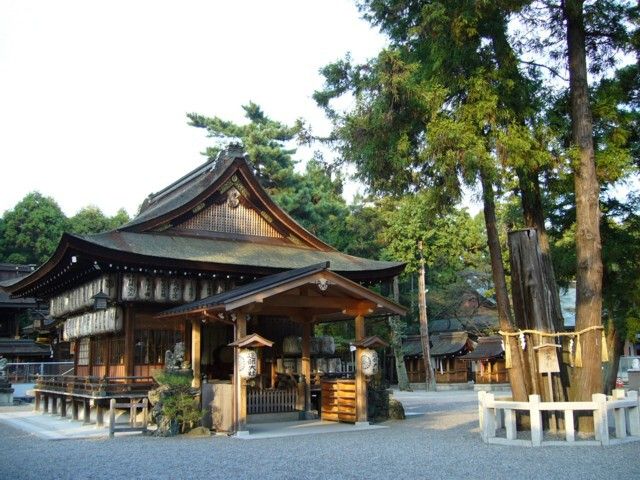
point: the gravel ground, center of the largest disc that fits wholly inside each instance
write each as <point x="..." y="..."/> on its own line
<point x="439" y="440"/>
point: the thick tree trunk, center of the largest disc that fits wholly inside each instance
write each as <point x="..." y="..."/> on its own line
<point x="517" y="378"/>
<point x="396" y="326"/>
<point x="615" y="345"/>
<point x="533" y="215"/>
<point x="588" y="379"/>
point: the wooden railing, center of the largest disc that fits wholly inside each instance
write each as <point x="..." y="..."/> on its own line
<point x="493" y="414"/>
<point x="452" y="376"/>
<point x="95" y="387"/>
<point x="132" y="424"/>
<point x="271" y="400"/>
<point x="501" y="376"/>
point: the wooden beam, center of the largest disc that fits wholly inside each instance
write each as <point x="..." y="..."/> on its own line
<point x="361" y="381"/>
<point x="196" y="331"/>
<point x="129" y="352"/>
<point x="241" y="389"/>
<point x="338" y="303"/>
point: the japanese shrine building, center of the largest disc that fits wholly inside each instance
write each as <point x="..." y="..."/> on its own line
<point x="209" y="260"/>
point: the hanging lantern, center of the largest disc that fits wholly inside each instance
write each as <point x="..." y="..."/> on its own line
<point x="247" y="363"/>
<point x="145" y="288"/>
<point x="369" y="362"/>
<point x="129" y="287"/>
<point x="189" y="290"/>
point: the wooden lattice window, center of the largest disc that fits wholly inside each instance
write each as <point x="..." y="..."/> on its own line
<point x="225" y="218"/>
<point x="151" y="345"/>
<point x="99" y="351"/>
<point x="117" y="351"/>
<point x="83" y="351"/>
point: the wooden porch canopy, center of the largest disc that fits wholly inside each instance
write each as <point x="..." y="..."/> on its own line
<point x="314" y="290"/>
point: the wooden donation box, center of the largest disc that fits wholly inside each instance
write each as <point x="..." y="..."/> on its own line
<point x="217" y="402"/>
<point x="339" y="400"/>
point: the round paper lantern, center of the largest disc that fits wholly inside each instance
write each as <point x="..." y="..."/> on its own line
<point x="247" y="363"/>
<point x="369" y="362"/>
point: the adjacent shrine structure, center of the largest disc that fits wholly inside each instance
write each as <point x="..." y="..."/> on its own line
<point x="212" y="266"/>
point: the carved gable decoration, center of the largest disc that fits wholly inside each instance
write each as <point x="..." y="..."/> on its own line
<point x="232" y="215"/>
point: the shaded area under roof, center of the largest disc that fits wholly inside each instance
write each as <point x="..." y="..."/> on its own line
<point x="486" y="349"/>
<point x="244" y="290"/>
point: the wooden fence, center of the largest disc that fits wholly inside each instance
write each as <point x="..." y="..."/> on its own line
<point x="496" y="414"/>
<point x="271" y="400"/>
<point x="132" y="425"/>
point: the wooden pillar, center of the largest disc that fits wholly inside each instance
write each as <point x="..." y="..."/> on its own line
<point x="54" y="404"/>
<point x="99" y="414"/>
<point x="63" y="406"/>
<point x="36" y="407"/>
<point x="74" y="408"/>
<point x="306" y="363"/>
<point x="129" y="352"/>
<point x="241" y="390"/>
<point x="196" y="330"/>
<point x="45" y="409"/>
<point x="361" y="381"/>
<point x="86" y="417"/>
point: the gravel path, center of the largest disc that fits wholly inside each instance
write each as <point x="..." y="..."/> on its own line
<point x="440" y="440"/>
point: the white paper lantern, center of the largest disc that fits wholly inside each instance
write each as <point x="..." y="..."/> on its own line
<point x="175" y="290"/>
<point x="145" y="288"/>
<point x="129" y="287"/>
<point x="161" y="289"/>
<point x="189" y="291"/>
<point x="369" y="362"/>
<point x="206" y="289"/>
<point x="291" y="345"/>
<point x="247" y="363"/>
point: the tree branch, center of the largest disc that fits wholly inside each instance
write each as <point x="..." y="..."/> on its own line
<point x="552" y="70"/>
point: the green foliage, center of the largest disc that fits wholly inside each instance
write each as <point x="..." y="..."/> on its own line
<point x="183" y="408"/>
<point x="452" y="240"/>
<point x="31" y="231"/>
<point x="175" y="381"/>
<point x="263" y="139"/>
<point x="178" y="399"/>
<point x="90" y="220"/>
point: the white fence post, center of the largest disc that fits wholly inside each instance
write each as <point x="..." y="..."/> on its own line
<point x="634" y="414"/>
<point x="620" y="415"/>
<point x="601" y="418"/>
<point x="569" y="428"/>
<point x="510" y="424"/>
<point x="536" y="420"/>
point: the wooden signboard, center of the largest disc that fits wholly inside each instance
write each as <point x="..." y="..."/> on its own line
<point x="547" y="358"/>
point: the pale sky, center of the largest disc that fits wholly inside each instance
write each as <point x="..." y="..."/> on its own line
<point x="93" y="95"/>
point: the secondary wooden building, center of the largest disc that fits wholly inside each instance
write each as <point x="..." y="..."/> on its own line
<point x="487" y="361"/>
<point x="208" y="260"/>
<point x="446" y="350"/>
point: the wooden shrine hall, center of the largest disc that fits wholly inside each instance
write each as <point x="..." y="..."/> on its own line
<point x="212" y="265"/>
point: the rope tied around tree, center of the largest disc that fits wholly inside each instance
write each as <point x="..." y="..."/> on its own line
<point x="575" y="357"/>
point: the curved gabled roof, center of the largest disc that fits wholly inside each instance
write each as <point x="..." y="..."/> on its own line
<point x="159" y="210"/>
